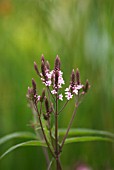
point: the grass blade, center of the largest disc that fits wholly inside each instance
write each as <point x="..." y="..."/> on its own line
<point x="87" y="139"/>
<point x="25" y="135"/>
<point x="85" y="132"/>
<point x="28" y="143"/>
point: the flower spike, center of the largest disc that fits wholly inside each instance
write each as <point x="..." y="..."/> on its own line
<point x="57" y="63"/>
<point x="34" y="86"/>
<point x="77" y="76"/>
<point x="36" y="69"/>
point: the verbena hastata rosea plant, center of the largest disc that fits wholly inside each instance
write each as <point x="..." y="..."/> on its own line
<point x="46" y="110"/>
<point x="53" y="82"/>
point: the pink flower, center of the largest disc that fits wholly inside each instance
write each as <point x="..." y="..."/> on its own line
<point x="38" y="98"/>
<point x="78" y="87"/>
<point x="61" y="97"/>
<point x="48" y="83"/>
<point x="68" y="95"/>
<point x="67" y="89"/>
<point x="75" y="91"/>
<point x="53" y="92"/>
<point x="49" y="74"/>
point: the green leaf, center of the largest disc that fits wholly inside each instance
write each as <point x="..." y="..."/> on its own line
<point x="87" y="139"/>
<point x="85" y="132"/>
<point x="27" y="135"/>
<point x="28" y="143"/>
<point x="50" y="164"/>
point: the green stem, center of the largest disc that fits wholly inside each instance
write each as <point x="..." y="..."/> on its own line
<point x="69" y="126"/>
<point x="63" y="106"/>
<point x="43" y="131"/>
<point x="56" y="127"/>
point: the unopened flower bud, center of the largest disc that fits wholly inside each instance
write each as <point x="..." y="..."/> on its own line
<point x="73" y="78"/>
<point x="42" y="58"/>
<point x="34" y="85"/>
<point x="42" y="96"/>
<point x="43" y="68"/>
<point x="47" y="105"/>
<point x="30" y="93"/>
<point x="29" y="90"/>
<point x="86" y="87"/>
<point x="77" y="76"/>
<point x="57" y="63"/>
<point x="36" y="68"/>
<point x="47" y="65"/>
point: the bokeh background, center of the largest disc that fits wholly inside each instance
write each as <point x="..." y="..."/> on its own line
<point x="81" y="32"/>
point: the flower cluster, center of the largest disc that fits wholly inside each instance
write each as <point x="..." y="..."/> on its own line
<point x="53" y="80"/>
<point x="74" y="86"/>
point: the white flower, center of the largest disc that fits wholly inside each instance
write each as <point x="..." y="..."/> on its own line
<point x="53" y="92"/>
<point x="67" y="89"/>
<point x="75" y="91"/>
<point x="60" y="72"/>
<point x="38" y="98"/>
<point x="48" y="83"/>
<point x="68" y="95"/>
<point x="61" y="97"/>
<point x="78" y="87"/>
<point x="49" y="74"/>
<point x="60" y="79"/>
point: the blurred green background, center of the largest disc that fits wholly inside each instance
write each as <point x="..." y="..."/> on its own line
<point x="81" y="32"/>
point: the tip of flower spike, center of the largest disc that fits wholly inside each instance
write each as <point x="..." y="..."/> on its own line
<point x="57" y="57"/>
<point x="77" y="76"/>
<point x="28" y="87"/>
<point x="73" y="77"/>
<point x="86" y="87"/>
<point x="77" y="70"/>
<point x="43" y="68"/>
<point x="35" y="63"/>
<point x="42" y="58"/>
<point x="36" y="68"/>
<point x="47" y="65"/>
<point x="57" y="63"/>
<point x="30" y="92"/>
<point x="33" y="83"/>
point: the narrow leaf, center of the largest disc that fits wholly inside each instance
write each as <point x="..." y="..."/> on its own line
<point x="87" y="139"/>
<point x="50" y="164"/>
<point x="85" y="132"/>
<point x="27" y="135"/>
<point x="28" y="143"/>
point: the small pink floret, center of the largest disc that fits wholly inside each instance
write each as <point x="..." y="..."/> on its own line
<point x="53" y="92"/>
<point x="61" y="97"/>
<point x="78" y="87"/>
<point x="48" y="83"/>
<point x="38" y="98"/>
<point x="75" y="91"/>
<point x="68" y="95"/>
